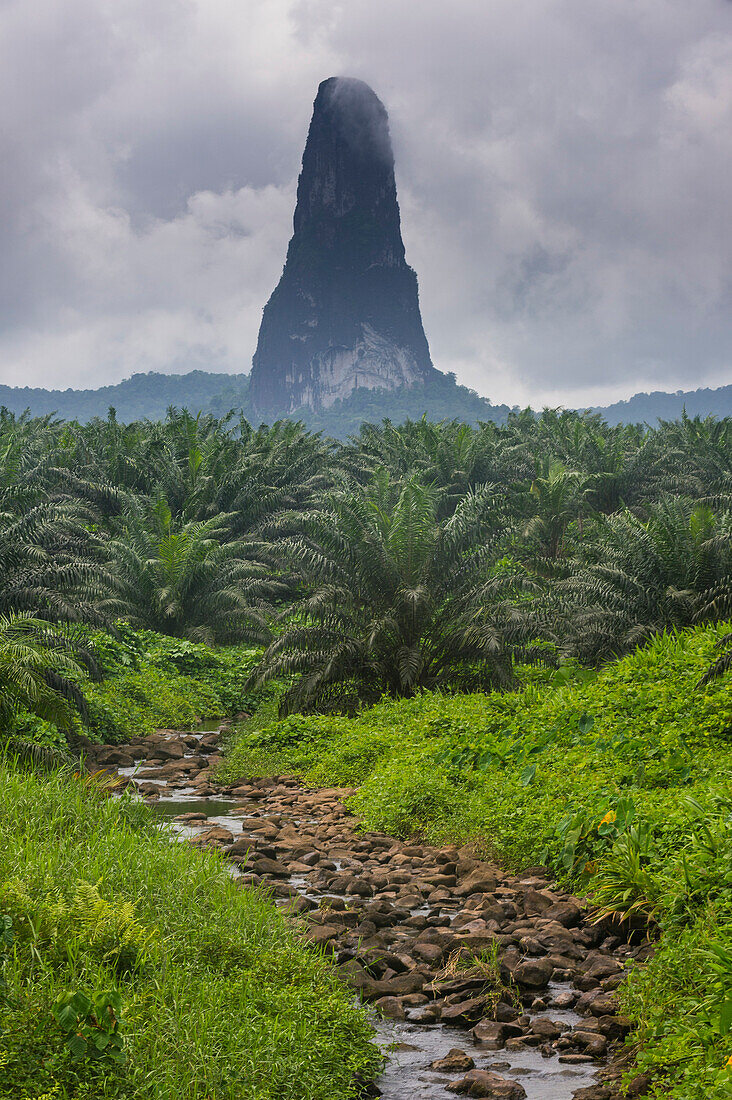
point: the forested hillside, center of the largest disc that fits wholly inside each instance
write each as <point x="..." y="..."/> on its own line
<point x="439" y="398"/>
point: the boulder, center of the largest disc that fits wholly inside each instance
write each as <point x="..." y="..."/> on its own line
<point x="533" y="973"/>
<point x="455" y="1061"/>
<point x="484" y="1083"/>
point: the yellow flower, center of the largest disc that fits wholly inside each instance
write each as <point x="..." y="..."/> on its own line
<point x="591" y="867"/>
<point x="609" y="818"/>
<point x="729" y="1062"/>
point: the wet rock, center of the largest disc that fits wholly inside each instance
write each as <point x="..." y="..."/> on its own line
<point x="431" y="953"/>
<point x="515" y="1045"/>
<point x="490" y="1034"/>
<point x="505" y="1012"/>
<point x="485" y="1083"/>
<point x="537" y="902"/>
<point x="481" y="880"/>
<point x="322" y="935"/>
<point x="590" y="1042"/>
<point x="533" y="973"/>
<point x="604" y="1005"/>
<point x="428" y="1014"/>
<point x="613" y="1027"/>
<point x="118" y="757"/>
<point x="167" y="750"/>
<point x="594" y="1092"/>
<point x="215" y="835"/>
<point x="545" y="1028"/>
<point x="455" y="1061"/>
<point x="411" y="981"/>
<point x="464" y="1011"/>
<point x="599" y="967"/>
<point x="264" y="866"/>
<point x="392" y="1007"/>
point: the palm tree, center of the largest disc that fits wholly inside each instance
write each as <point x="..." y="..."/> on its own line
<point x="556" y="494"/>
<point x="50" y="563"/>
<point x="698" y="457"/>
<point x="452" y="456"/>
<point x="639" y="578"/>
<point x="398" y="600"/>
<point x="183" y="581"/>
<point x="39" y="665"/>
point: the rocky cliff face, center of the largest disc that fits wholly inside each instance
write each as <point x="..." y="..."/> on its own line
<point x="345" y="313"/>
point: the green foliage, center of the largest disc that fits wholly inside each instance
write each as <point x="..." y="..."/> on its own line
<point x="618" y="780"/>
<point x="681" y="1006"/>
<point x="7" y="939"/>
<point x="148" y="681"/>
<point x="79" y="923"/>
<point x="91" y="1024"/>
<point x="635" y="579"/>
<point x="137" y="703"/>
<point x="218" y="997"/>
<point x="397" y="601"/>
<point x="184" y="580"/>
<point x="38" y="668"/>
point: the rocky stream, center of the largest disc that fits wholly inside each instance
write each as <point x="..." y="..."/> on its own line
<point x="484" y="983"/>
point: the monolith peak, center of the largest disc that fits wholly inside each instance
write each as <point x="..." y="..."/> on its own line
<point x="345" y="314"/>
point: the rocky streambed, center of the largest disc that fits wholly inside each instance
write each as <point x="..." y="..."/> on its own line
<point x="485" y="984"/>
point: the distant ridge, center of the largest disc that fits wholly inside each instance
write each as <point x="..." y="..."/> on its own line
<point x="647" y="408"/>
<point x="137" y="398"/>
<point x="148" y="396"/>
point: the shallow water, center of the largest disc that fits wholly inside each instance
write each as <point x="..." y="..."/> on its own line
<point x="410" y="1048"/>
<point x="408" y="1077"/>
<point x="211" y="807"/>
<point x="208" y="725"/>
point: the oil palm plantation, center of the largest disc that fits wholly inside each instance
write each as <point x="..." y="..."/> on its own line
<point x="638" y="578"/>
<point x="39" y="669"/>
<point x="182" y="580"/>
<point x="51" y="563"/>
<point x="398" y="599"/>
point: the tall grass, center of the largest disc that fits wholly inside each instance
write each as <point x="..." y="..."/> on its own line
<point x="223" y="1003"/>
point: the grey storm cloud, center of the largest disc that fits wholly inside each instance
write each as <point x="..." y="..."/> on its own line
<point x="563" y="173"/>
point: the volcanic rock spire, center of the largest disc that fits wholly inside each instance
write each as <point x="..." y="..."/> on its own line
<point x="345" y="313"/>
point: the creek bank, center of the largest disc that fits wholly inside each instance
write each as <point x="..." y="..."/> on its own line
<point x="490" y="984"/>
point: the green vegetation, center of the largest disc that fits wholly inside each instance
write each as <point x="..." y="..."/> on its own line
<point x="618" y="780"/>
<point x="152" y="394"/>
<point x="186" y="582"/>
<point x="144" y="681"/>
<point x="397" y="600"/>
<point x="583" y="569"/>
<point x="117" y="985"/>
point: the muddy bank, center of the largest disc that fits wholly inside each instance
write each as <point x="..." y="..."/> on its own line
<point x="486" y="984"/>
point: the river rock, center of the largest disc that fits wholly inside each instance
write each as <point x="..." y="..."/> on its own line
<point x="533" y="973"/>
<point x="167" y="750"/>
<point x="490" y="1034"/>
<point x="392" y="1007"/>
<point x="215" y="835"/>
<point x="455" y="1061"/>
<point x="485" y="1083"/>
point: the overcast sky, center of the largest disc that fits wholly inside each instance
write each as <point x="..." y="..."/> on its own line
<point x="564" y="170"/>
